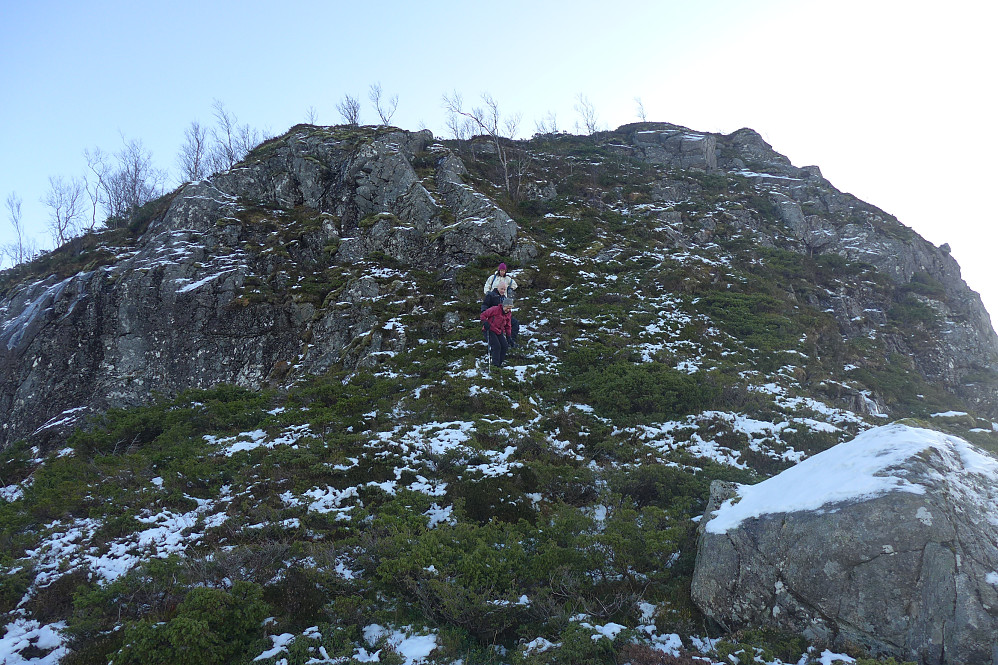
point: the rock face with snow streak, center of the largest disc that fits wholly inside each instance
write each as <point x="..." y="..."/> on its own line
<point x="212" y="291"/>
<point x="281" y="267"/>
<point x="824" y="221"/>
<point x="889" y="542"/>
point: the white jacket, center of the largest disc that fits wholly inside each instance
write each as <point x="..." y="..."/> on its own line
<point x="495" y="280"/>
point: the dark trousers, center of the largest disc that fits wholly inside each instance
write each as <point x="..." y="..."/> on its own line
<point x="498" y="347"/>
<point x="514" y="324"/>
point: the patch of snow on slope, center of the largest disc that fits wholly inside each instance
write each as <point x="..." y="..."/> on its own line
<point x="413" y="648"/>
<point x="21" y="634"/>
<point x="69" y="547"/>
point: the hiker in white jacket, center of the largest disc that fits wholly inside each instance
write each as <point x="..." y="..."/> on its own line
<point x="500" y="277"/>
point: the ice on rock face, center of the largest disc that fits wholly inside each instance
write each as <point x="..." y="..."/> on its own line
<point x="38" y="299"/>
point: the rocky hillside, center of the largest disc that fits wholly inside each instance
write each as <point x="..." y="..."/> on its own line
<point x="259" y="420"/>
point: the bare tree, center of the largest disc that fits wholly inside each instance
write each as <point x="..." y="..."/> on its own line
<point x="511" y="124"/>
<point x="587" y="111"/>
<point x="232" y="141"/>
<point x="121" y="184"/>
<point x="22" y="248"/>
<point x="97" y="184"/>
<point x="349" y="110"/>
<point x="489" y="120"/>
<point x="460" y="127"/>
<point x="225" y="154"/>
<point x="248" y="138"/>
<point x="310" y="115"/>
<point x="64" y="200"/>
<point x="642" y="116"/>
<point x="135" y="182"/>
<point x="384" y="108"/>
<point x="547" y="125"/>
<point x="193" y="158"/>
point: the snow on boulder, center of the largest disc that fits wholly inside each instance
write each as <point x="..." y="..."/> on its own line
<point x="888" y="541"/>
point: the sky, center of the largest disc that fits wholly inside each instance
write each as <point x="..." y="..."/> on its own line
<point x="893" y="100"/>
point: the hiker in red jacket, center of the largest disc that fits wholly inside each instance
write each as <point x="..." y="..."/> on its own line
<point x="499" y="319"/>
<point x="495" y="297"/>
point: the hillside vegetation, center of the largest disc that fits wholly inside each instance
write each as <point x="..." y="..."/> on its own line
<point x="409" y="503"/>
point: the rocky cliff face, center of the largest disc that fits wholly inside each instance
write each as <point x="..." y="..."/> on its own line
<point x="239" y="280"/>
<point x="281" y="267"/>
<point x="820" y="220"/>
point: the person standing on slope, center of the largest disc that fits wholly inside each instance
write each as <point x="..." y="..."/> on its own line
<point x="500" y="277"/>
<point x="499" y="320"/>
<point x="498" y="296"/>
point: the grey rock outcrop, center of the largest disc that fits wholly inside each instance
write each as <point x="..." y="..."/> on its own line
<point x="820" y="220"/>
<point x="254" y="277"/>
<point x="958" y="348"/>
<point x="287" y="264"/>
<point x="900" y="558"/>
<point x="677" y="147"/>
<point x="365" y="181"/>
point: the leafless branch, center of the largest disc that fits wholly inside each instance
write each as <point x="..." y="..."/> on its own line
<point x="231" y="141"/>
<point x="587" y="111"/>
<point x="547" y="125"/>
<point x="385" y="108"/>
<point x="193" y="156"/>
<point x="349" y="110"/>
<point x="487" y="120"/>
<point x="65" y="207"/>
<point x="22" y="248"/>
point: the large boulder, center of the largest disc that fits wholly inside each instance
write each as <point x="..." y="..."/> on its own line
<point x="888" y="542"/>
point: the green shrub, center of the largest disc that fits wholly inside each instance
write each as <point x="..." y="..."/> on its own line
<point x="832" y="266"/>
<point x="911" y="311"/>
<point x="577" y="233"/>
<point x="576" y="646"/>
<point x="499" y="498"/>
<point x="663" y="486"/>
<point x="299" y="595"/>
<point x="763" y="205"/>
<point x="13" y="586"/>
<point x="925" y="284"/>
<point x="224" y="407"/>
<point x="760" y="321"/>
<point x="626" y="391"/>
<point x="560" y="481"/>
<point x="153" y="588"/>
<point x="210" y="626"/>
<point x="766" y="643"/>
<point x="466" y="575"/>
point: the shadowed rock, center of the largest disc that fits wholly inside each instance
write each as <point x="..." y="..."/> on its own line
<point x="888" y="542"/>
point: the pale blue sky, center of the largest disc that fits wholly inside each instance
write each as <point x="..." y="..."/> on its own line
<point x="893" y="100"/>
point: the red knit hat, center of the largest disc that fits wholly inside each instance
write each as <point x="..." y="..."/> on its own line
<point x="502" y="266"/>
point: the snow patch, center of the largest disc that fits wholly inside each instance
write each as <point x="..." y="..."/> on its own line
<point x="413" y="648"/>
<point x="22" y="633"/>
<point x="858" y="469"/>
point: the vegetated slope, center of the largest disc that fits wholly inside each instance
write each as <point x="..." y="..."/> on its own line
<point x="692" y="308"/>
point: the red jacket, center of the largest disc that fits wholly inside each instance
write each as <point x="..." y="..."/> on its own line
<point x="500" y="322"/>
